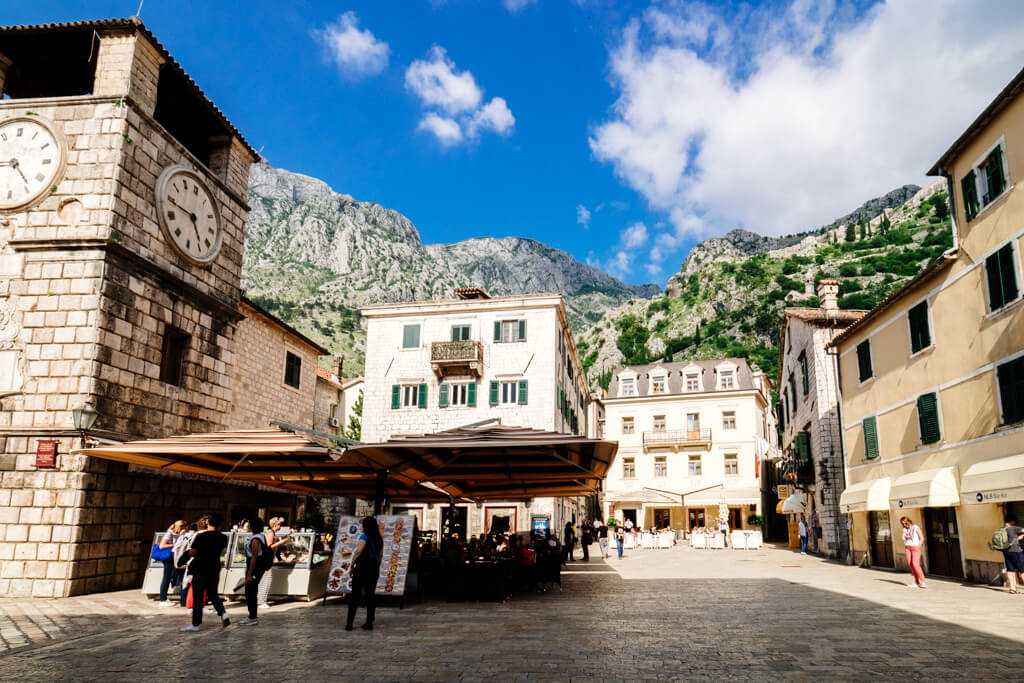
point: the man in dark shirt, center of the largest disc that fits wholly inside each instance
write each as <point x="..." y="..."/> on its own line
<point x="207" y="547"/>
<point x="1013" y="555"/>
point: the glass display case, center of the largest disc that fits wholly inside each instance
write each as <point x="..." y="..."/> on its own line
<point x="300" y="566"/>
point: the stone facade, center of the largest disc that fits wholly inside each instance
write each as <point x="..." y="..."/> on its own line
<point x="806" y="333"/>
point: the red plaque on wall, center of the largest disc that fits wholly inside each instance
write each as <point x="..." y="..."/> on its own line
<point x="46" y="453"/>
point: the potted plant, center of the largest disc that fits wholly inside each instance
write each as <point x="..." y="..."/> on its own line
<point x="755" y="521"/>
<point x="612" y="522"/>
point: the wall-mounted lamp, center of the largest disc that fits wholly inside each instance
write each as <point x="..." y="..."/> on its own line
<point x="84" y="417"/>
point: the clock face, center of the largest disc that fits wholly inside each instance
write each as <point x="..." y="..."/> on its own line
<point x="189" y="214"/>
<point x="31" y="161"/>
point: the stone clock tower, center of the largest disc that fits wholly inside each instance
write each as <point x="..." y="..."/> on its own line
<point x="122" y="216"/>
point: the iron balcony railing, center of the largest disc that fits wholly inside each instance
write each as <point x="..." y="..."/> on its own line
<point x="677" y="437"/>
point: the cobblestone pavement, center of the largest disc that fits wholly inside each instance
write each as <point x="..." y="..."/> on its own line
<point x="679" y="613"/>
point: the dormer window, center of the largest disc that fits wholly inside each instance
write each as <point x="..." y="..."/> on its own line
<point x="725" y="379"/>
<point x="658" y="384"/>
<point x="628" y="387"/>
<point x="692" y="381"/>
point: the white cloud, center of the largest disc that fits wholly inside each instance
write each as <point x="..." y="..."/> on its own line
<point x="583" y="216"/>
<point x="781" y="123"/>
<point x="436" y="83"/>
<point x="634" y="237"/>
<point x="452" y="101"/>
<point x="495" y="116"/>
<point x="619" y="266"/>
<point x="516" y="5"/>
<point x="447" y="131"/>
<point x="357" y="53"/>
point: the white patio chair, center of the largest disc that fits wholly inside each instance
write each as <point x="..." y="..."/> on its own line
<point x="755" y="541"/>
<point x="716" y="542"/>
<point x="738" y="541"/>
<point x="629" y="543"/>
<point x="665" y="540"/>
<point x="699" y="541"/>
<point x="647" y="541"/>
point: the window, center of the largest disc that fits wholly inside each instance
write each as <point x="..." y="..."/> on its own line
<point x="728" y="419"/>
<point x="792" y="391"/>
<point x="411" y="337"/>
<point x="864" y="369"/>
<point x="658" y="384"/>
<point x="692" y="382"/>
<point x="627" y="425"/>
<point x="694" y="465"/>
<point x="513" y="392"/>
<point x="870" y="427"/>
<point x="628" y="387"/>
<point x="292" y="370"/>
<point x="506" y="331"/>
<point x="172" y="359"/>
<point x="629" y="468"/>
<point x="460" y="332"/>
<point x="410" y="396"/>
<point x="732" y="463"/>
<point x="928" y="417"/>
<point x="659" y="423"/>
<point x="660" y="466"/>
<point x="693" y="424"/>
<point x="1002" y="278"/>
<point x="987" y="180"/>
<point x="726" y="379"/>
<point x="780" y="409"/>
<point x="1011" y="390"/>
<point x="456" y="395"/>
<point x="920" y="335"/>
<point x="805" y="379"/>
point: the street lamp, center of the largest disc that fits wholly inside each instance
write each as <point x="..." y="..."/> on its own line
<point x="84" y="417"/>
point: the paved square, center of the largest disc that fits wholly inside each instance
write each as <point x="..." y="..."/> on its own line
<point x="679" y="614"/>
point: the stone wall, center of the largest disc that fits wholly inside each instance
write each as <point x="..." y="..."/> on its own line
<point x="328" y="396"/>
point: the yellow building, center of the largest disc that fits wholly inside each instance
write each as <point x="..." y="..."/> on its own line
<point x="932" y="380"/>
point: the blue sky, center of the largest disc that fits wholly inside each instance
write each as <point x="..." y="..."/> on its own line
<point x="622" y="132"/>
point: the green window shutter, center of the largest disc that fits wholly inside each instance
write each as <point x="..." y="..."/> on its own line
<point x="1011" y="390"/>
<point x="1007" y="273"/>
<point x="456" y="336"/>
<point x="410" y="336"/>
<point x="396" y="396"/>
<point x="423" y="396"/>
<point x="920" y="335"/>
<point x="779" y="408"/>
<point x="522" y="330"/>
<point x="803" y="447"/>
<point x="803" y="373"/>
<point x="522" y="392"/>
<point x="494" y="394"/>
<point x="870" y="426"/>
<point x="497" y="330"/>
<point x="471" y="395"/>
<point x="928" y="417"/>
<point x="994" y="174"/>
<point x="442" y="395"/>
<point x="970" y="193"/>
<point x="864" y="368"/>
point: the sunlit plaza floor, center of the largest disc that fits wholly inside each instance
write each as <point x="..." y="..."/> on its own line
<point x="677" y="613"/>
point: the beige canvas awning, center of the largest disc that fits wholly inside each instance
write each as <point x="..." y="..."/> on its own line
<point x="993" y="481"/>
<point x="936" y="488"/>
<point x="872" y="494"/>
<point x="794" y="505"/>
<point x="750" y="495"/>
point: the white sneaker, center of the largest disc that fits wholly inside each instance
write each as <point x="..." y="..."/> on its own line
<point x="165" y="603"/>
<point x="803" y="553"/>
<point x="225" y="620"/>
<point x="189" y="629"/>
<point x="209" y="610"/>
<point x="921" y="585"/>
<point x="263" y="606"/>
<point x="911" y="585"/>
<point x="249" y="622"/>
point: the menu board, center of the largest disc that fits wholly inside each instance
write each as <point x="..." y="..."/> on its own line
<point x="398" y="532"/>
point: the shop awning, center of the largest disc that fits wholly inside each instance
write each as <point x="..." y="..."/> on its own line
<point x="993" y="481"/>
<point x="794" y="505"/>
<point x="634" y="496"/>
<point x="927" y="488"/>
<point x="866" y="495"/>
<point x="730" y="496"/>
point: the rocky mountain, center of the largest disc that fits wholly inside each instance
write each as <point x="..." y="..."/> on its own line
<point x="314" y="256"/>
<point x="726" y="299"/>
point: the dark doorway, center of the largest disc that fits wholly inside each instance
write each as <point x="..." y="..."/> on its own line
<point x="943" y="542"/>
<point x="630" y="515"/>
<point x="662" y="518"/>
<point x="881" y="539"/>
<point x="695" y="516"/>
<point x="453" y="521"/>
<point x="735" y="518"/>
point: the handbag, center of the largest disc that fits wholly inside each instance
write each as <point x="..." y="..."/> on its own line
<point x="161" y="554"/>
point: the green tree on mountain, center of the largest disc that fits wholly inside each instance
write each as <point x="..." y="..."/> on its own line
<point x="941" y="207"/>
<point x="851" y="233"/>
<point x="354" y="429"/>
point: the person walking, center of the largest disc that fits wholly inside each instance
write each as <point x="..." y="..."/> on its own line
<point x="602" y="538"/>
<point x="182" y="559"/>
<point x="260" y="559"/>
<point x="272" y="542"/>
<point x="912" y="540"/>
<point x="620" y="538"/>
<point x="586" y="539"/>
<point x="568" y="541"/>
<point x="723" y="528"/>
<point x="365" y="572"/>
<point x="207" y="547"/>
<point x="165" y="543"/>
<point x="803" y="536"/>
<point x="1013" y="554"/>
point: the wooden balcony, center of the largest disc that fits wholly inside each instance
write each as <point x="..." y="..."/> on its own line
<point x="456" y="357"/>
<point x="674" y="438"/>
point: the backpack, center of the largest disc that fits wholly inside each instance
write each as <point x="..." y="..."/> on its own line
<point x="1001" y="539"/>
<point x="181" y="548"/>
<point x="265" y="560"/>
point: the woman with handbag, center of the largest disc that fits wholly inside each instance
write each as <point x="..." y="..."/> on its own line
<point x="365" y="572"/>
<point x="163" y="551"/>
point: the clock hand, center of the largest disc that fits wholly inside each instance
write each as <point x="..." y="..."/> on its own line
<point x="190" y="214"/>
<point x="14" y="164"/>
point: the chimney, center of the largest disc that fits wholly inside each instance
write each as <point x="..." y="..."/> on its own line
<point x="828" y="295"/>
<point x="340" y="360"/>
<point x="466" y="293"/>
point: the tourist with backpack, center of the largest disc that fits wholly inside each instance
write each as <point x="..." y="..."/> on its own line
<point x="261" y="559"/>
<point x="1007" y="539"/>
<point x="207" y="547"/>
<point x="163" y="551"/>
<point x="365" y="572"/>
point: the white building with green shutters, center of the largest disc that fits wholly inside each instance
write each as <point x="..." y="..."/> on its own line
<point x="437" y="365"/>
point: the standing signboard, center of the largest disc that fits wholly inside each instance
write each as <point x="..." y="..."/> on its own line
<point x="398" y="532"/>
